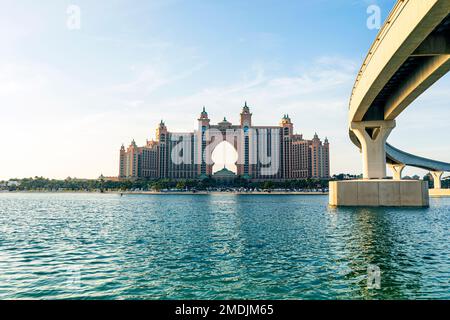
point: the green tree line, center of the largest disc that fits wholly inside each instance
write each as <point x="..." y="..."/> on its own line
<point x="101" y="184"/>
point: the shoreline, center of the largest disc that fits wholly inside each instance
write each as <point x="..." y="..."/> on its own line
<point x="224" y="192"/>
<point x="315" y="193"/>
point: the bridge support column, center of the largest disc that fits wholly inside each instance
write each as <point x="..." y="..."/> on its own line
<point x="437" y="178"/>
<point x="374" y="189"/>
<point x="397" y="170"/>
<point x="372" y="136"/>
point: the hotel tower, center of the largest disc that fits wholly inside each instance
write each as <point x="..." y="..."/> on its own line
<point x="264" y="152"/>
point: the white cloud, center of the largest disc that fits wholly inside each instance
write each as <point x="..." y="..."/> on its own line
<point x="152" y="77"/>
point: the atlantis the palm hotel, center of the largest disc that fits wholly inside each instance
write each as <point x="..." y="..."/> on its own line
<point x="264" y="152"/>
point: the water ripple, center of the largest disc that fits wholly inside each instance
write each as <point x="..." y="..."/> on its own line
<point x="92" y="246"/>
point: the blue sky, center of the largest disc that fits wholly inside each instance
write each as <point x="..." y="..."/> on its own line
<point x="70" y="98"/>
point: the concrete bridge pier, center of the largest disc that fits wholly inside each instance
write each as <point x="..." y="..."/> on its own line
<point x="397" y="170"/>
<point x="437" y="175"/>
<point x="437" y="191"/>
<point x="372" y="136"/>
<point x="374" y="189"/>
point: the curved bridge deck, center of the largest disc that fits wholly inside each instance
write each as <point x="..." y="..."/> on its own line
<point x="397" y="156"/>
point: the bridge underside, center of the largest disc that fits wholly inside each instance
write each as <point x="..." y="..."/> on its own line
<point x="420" y="70"/>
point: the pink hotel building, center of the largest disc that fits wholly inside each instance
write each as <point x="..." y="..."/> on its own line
<point x="295" y="157"/>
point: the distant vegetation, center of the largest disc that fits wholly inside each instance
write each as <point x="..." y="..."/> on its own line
<point x="102" y="184"/>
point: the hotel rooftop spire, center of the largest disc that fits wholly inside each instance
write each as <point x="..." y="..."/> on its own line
<point x="203" y="114"/>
